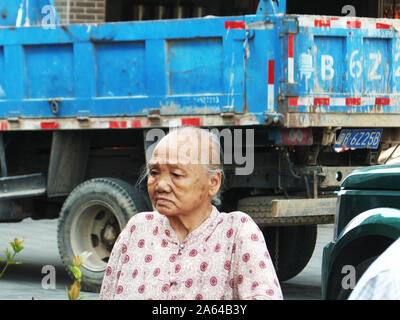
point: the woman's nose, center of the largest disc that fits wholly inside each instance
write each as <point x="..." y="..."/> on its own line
<point x="163" y="184"/>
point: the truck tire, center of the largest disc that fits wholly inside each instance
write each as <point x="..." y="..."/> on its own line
<point x="91" y="219"/>
<point x="290" y="248"/>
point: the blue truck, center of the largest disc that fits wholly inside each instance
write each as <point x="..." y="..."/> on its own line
<point x="317" y="95"/>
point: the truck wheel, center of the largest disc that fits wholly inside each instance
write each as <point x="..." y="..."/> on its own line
<point x="290" y="248"/>
<point x="91" y="219"/>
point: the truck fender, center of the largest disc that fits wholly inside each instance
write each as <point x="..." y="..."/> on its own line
<point x="381" y="223"/>
<point x="377" y="221"/>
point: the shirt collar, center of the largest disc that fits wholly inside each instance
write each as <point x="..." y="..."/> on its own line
<point x="204" y="230"/>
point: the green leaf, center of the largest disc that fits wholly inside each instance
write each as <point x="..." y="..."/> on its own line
<point x="83" y="297"/>
<point x="76" y="271"/>
<point x="13" y="246"/>
<point x="69" y="296"/>
<point x="18" y="249"/>
<point x="8" y="254"/>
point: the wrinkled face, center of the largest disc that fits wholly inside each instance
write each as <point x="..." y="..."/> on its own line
<point x="177" y="182"/>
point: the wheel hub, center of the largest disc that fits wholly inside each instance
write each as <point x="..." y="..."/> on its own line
<point x="94" y="229"/>
<point x="108" y="235"/>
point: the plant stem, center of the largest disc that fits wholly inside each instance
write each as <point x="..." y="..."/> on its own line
<point x="7" y="264"/>
<point x="4" y="269"/>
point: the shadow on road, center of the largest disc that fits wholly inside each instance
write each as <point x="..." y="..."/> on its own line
<point x="32" y="273"/>
<point x="24" y="282"/>
<point x="300" y="292"/>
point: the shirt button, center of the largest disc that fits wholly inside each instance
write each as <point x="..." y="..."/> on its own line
<point x="182" y="245"/>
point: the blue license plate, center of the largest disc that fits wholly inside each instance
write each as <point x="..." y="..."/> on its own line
<point x="359" y="138"/>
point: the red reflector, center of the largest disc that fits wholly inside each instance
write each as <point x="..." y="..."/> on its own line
<point x="382" y="101"/>
<point x="293" y="101"/>
<point x="382" y="26"/>
<point x="234" y="25"/>
<point x="271" y="71"/>
<point x="118" y="124"/>
<point x="4" y="126"/>
<point x="191" y="122"/>
<point x="136" y="124"/>
<point x="354" y="24"/>
<point x="321" y="101"/>
<point x="296" y="137"/>
<point x="49" y="125"/>
<point x="353" y="101"/>
<point x="322" y="23"/>
<point x="290" y="46"/>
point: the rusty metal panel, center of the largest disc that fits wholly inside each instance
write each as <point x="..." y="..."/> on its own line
<point x="333" y="176"/>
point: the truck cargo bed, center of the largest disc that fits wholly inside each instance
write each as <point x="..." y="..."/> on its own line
<point x="295" y="71"/>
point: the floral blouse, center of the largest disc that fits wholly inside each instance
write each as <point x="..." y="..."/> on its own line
<point x="224" y="258"/>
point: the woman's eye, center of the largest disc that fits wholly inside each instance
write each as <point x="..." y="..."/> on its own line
<point x="176" y="175"/>
<point x="153" y="173"/>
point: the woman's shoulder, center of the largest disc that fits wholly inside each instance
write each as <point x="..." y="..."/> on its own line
<point x="243" y="225"/>
<point x="237" y="216"/>
<point x="143" y="218"/>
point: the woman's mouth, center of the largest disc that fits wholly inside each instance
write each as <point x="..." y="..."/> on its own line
<point x="161" y="201"/>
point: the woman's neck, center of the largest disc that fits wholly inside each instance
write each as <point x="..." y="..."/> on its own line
<point x="183" y="225"/>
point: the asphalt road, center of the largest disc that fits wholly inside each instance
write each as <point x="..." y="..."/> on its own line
<point x="24" y="282"/>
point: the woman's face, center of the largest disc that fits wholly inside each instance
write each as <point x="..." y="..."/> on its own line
<point x="179" y="185"/>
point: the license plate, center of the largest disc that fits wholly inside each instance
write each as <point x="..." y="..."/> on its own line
<point x="359" y="138"/>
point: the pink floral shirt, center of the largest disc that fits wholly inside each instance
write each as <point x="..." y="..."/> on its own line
<point x="224" y="258"/>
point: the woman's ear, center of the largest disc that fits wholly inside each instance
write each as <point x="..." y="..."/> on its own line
<point x="215" y="183"/>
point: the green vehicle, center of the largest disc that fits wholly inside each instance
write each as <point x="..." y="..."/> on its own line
<point x="367" y="222"/>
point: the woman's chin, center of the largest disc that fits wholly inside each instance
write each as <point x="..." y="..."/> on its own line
<point x="165" y="210"/>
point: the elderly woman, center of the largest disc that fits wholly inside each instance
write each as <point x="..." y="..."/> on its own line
<point x="186" y="248"/>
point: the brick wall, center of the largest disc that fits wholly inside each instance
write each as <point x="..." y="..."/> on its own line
<point x="81" y="11"/>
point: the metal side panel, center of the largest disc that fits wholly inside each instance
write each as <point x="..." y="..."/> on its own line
<point x="341" y="72"/>
<point x="178" y="67"/>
